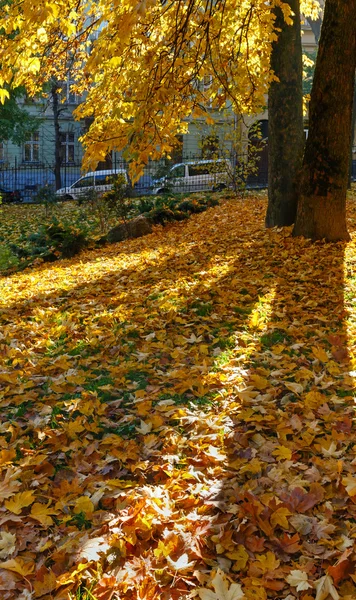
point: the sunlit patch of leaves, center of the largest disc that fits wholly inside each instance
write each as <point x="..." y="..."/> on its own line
<point x="172" y="420"/>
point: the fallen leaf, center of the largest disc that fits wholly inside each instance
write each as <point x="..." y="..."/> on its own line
<point x="19" y="566"/>
<point x="325" y="589"/>
<point x="181" y="564"/>
<point x="223" y="589"/>
<point x="299" y="580"/>
<point x="20" y="501"/>
<point x="7" y="543"/>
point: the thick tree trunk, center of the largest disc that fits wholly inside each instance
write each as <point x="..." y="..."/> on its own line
<point x="353" y="129"/>
<point x="322" y="201"/>
<point x="285" y="119"/>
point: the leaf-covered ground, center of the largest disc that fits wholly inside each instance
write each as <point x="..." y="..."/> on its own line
<point x="177" y="417"/>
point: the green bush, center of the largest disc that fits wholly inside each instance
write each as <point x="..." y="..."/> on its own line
<point x="58" y="239"/>
<point x="7" y="258"/>
<point x="165" y="209"/>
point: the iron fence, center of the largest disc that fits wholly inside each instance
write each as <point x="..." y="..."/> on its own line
<point x="190" y="174"/>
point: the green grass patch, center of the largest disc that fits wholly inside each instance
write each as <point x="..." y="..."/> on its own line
<point x="275" y="337"/>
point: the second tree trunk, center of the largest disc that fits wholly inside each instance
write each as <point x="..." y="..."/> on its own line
<point x="285" y="119"/>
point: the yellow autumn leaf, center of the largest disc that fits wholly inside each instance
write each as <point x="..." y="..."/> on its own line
<point x="4" y="95"/>
<point x="20" y="501"/>
<point x="314" y="399"/>
<point x="240" y="557"/>
<point x="42" y="35"/>
<point x="254" y="466"/>
<point x="279" y="517"/>
<point x="18" y="565"/>
<point x="42" y="512"/>
<point x="350" y="484"/>
<point x="283" y="453"/>
<point x="267" y="562"/>
<point x="320" y="354"/>
<point x="260" y="383"/>
<point x="83" y="504"/>
<point x="254" y="320"/>
<point x="165" y="548"/>
<point x="296" y="388"/>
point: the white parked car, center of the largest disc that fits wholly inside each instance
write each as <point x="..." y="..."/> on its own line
<point x="196" y="176"/>
<point x="100" y="181"/>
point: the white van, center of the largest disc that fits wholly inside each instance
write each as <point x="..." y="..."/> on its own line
<point x="196" y="176"/>
<point x="100" y="181"/>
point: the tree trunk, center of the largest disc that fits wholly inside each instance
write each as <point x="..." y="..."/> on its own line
<point x="285" y="119"/>
<point x="57" y="136"/>
<point x="353" y="129"/>
<point x="322" y="201"/>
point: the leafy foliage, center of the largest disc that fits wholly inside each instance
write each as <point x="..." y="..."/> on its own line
<point x="177" y="417"/>
<point x="140" y="101"/>
<point x="15" y="122"/>
<point x="7" y="258"/>
<point x="162" y="210"/>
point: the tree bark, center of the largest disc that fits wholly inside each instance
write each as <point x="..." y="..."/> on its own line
<point x="322" y="201"/>
<point x="285" y="119"/>
<point x="353" y="129"/>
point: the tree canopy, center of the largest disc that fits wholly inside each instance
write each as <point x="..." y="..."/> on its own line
<point x="144" y="67"/>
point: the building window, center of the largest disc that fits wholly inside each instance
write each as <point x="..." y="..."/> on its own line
<point x="2" y="152"/>
<point x="67" y="147"/>
<point x="32" y="148"/>
<point x="67" y="95"/>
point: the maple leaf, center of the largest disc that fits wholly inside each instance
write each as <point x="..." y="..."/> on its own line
<point x="45" y="582"/>
<point x="9" y="485"/>
<point x="325" y="589"/>
<point x="267" y="562"/>
<point x="20" y="501"/>
<point x="296" y="388"/>
<point x="42" y="512"/>
<point x="181" y="564"/>
<point x="299" y="580"/>
<point x="83" y="504"/>
<point x="320" y="354"/>
<point x="7" y="543"/>
<point x="350" y="484"/>
<point x="19" y="566"/>
<point x="240" y="557"/>
<point x="223" y="590"/>
<point x="282" y="452"/>
<point x="279" y="517"/>
<point x="341" y="567"/>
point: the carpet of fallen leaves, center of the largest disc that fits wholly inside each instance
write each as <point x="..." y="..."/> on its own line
<point x="177" y="417"/>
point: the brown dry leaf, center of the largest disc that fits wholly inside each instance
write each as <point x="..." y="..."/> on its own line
<point x="325" y="589"/>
